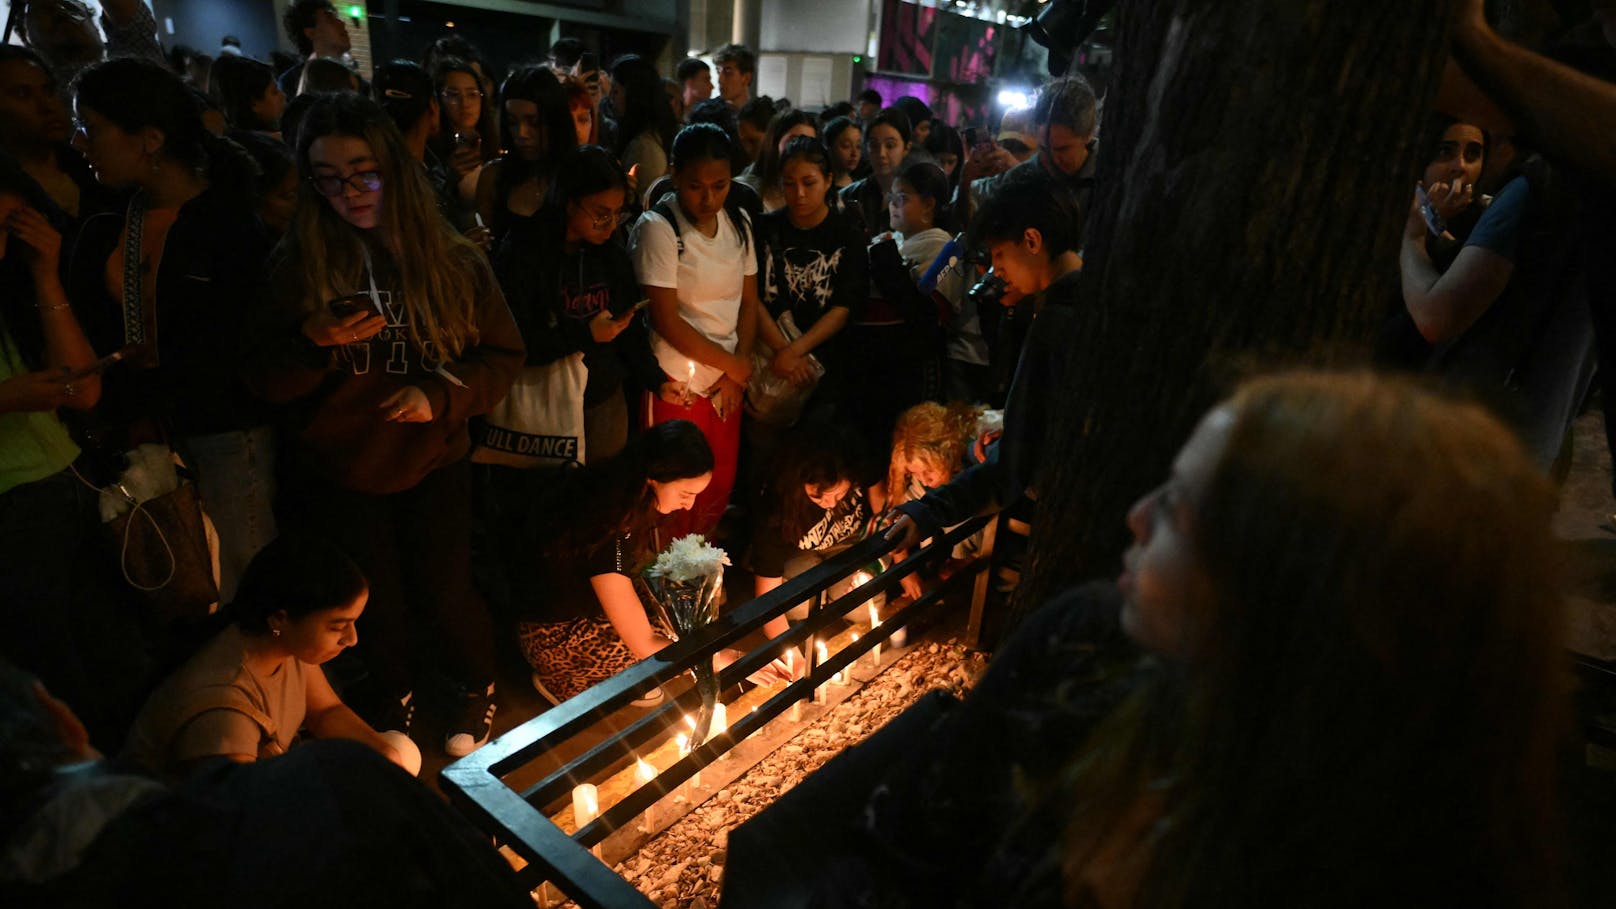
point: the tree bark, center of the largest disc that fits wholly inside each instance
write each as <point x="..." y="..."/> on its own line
<point x="1256" y="167"/>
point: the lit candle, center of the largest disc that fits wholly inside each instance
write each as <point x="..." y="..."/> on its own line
<point x="690" y="377"/>
<point x="820" y="651"/>
<point x="683" y="741"/>
<point x="585" y="804"/>
<point x="720" y="723"/>
<point x="875" y="622"/>
<point x="644" y="773"/>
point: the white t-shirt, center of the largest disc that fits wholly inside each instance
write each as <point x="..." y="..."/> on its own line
<point x="708" y="278"/>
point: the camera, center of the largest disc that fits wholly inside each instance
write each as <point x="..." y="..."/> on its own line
<point x="988" y="292"/>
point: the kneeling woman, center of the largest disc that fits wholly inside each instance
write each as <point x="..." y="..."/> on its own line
<point x="248" y="691"/>
<point x="602" y="529"/>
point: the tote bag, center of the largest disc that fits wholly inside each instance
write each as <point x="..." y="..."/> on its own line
<point x="540" y="423"/>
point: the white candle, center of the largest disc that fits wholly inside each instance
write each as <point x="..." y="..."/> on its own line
<point x="900" y="637"/>
<point x="823" y="653"/>
<point x="875" y="622"/>
<point x="644" y="773"/>
<point x="585" y="804"/>
<point x="720" y="720"/>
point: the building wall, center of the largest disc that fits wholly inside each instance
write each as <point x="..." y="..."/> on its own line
<point x="201" y="23"/>
<point x="823" y="27"/>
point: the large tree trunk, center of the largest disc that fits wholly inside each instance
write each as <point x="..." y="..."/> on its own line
<point x="1256" y="166"/>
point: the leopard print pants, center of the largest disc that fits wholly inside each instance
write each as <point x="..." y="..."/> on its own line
<point x="570" y="656"/>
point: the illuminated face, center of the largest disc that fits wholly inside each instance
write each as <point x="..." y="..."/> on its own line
<point x="1459" y="156"/>
<point x="734" y="86"/>
<point x="31" y="112"/>
<point x="702" y="187"/>
<point x="698" y="88"/>
<point x="527" y="136"/>
<point x="583" y="120"/>
<point x="921" y="129"/>
<point x="678" y="495"/>
<point x="1166" y="592"/>
<point x="827" y="497"/>
<point x="908" y="212"/>
<point x="1066" y="150"/>
<point x="1022" y="263"/>
<point x="593" y="218"/>
<point x="320" y="635"/>
<point x="329" y="34"/>
<point x="887" y="150"/>
<point x="804" y="186"/>
<point x="119" y="159"/>
<point x="462" y="97"/>
<point x="348" y="159"/>
<point x="848" y="149"/>
<point x="927" y="472"/>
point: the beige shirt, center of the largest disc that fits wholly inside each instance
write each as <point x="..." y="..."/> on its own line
<point x="216" y="704"/>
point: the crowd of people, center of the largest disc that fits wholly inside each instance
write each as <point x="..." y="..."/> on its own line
<point x="451" y="354"/>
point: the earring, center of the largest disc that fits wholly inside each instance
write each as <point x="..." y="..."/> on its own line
<point x="275" y="631"/>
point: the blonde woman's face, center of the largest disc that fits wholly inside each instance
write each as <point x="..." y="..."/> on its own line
<point x="1167" y="594"/>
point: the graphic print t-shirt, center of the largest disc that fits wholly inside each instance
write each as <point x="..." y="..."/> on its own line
<point x="809" y="271"/>
<point x="838" y="526"/>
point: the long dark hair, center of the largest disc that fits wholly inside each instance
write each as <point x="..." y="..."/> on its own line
<point x="769" y="161"/>
<point x="605" y="501"/>
<point x="238" y="83"/>
<point x="593" y="170"/>
<point x="814" y="454"/>
<point x="646" y="103"/>
<point x="700" y="142"/>
<point x="487" y="130"/>
<point x="558" y="140"/>
<point x="136" y="94"/>
<point x="1378" y="675"/>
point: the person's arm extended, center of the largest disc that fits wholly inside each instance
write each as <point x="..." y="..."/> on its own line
<point x="1445" y="304"/>
<point x="623" y="609"/>
<point x="1565" y="113"/>
<point x="326" y="717"/>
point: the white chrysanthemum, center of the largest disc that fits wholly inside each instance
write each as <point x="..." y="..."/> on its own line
<point x="688" y="558"/>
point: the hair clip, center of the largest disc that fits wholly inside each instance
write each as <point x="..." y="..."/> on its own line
<point x="397" y="93"/>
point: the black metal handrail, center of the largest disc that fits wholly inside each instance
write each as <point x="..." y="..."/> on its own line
<point x="474" y="782"/>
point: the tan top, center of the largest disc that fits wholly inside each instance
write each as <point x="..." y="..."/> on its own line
<point x="217" y="705"/>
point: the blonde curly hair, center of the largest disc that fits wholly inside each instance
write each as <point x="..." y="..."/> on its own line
<point x="936" y="435"/>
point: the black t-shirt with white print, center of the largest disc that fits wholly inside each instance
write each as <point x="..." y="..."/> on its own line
<point x="809" y="271"/>
<point x="836" y="527"/>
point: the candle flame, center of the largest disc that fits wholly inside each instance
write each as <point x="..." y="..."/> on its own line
<point x="822" y="650"/>
<point x="683" y="741"/>
<point x="691" y="722"/>
<point x="643" y="772"/>
<point x="875" y="616"/>
<point x="720" y="719"/>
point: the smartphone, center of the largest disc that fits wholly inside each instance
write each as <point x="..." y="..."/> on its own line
<point x="343" y="307"/>
<point x="971" y="136"/>
<point x="99" y="366"/>
<point x="632" y="309"/>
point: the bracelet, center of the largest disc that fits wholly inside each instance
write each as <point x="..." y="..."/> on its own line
<point x="51" y="307"/>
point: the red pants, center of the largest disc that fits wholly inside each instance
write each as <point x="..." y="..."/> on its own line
<point x="724" y="437"/>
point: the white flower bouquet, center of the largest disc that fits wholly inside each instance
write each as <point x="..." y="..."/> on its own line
<point x="685" y="582"/>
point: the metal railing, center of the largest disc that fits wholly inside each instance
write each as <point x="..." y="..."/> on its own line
<point x="517" y="819"/>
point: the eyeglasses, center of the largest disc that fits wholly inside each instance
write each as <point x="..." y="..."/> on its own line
<point x="602" y="219"/>
<point x="365" y="181"/>
<point x="454" y="96"/>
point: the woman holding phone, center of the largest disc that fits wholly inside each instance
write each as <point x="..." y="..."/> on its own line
<point x="388" y="331"/>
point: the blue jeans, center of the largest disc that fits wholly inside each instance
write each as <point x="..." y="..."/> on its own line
<point x="236" y="477"/>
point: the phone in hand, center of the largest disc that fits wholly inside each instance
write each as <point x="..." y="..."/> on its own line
<point x="99" y="366"/>
<point x="632" y="309"/>
<point x="343" y="307"/>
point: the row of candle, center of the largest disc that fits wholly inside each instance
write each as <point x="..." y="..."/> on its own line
<point x="586" y="796"/>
